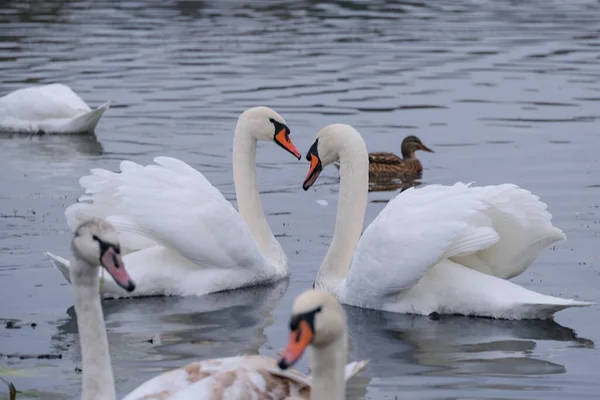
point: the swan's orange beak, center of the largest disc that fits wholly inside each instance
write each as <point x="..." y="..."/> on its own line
<point x="113" y="263"/>
<point x="282" y="138"/>
<point x="298" y="342"/>
<point x="313" y="172"/>
<point x="315" y="166"/>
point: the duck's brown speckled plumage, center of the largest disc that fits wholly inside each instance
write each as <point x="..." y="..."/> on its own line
<point x="390" y="166"/>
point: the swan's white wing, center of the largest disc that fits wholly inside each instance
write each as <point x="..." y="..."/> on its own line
<point x="412" y="233"/>
<point x="523" y="225"/>
<point x="233" y="377"/>
<point x="101" y="200"/>
<point x="176" y="206"/>
<point x="44" y="102"/>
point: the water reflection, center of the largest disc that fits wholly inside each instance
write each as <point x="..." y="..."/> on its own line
<point x="390" y="186"/>
<point x="498" y="83"/>
<point x="404" y="344"/>
<point x="53" y="147"/>
<point x="150" y="335"/>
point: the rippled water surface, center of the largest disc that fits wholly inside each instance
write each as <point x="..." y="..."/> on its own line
<point x="503" y="91"/>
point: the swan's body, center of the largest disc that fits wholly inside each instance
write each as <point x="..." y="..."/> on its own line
<point x="444" y="249"/>
<point x="95" y="242"/>
<point x="180" y="235"/>
<point x="50" y="109"/>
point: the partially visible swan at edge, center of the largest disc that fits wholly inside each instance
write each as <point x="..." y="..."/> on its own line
<point x="444" y="249"/>
<point x="53" y="108"/>
<point x="95" y="243"/>
<point x="181" y="236"/>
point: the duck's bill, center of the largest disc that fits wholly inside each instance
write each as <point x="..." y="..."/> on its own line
<point x="113" y="263"/>
<point x="298" y="342"/>
<point x="313" y="173"/>
<point x="425" y="148"/>
<point x="282" y="138"/>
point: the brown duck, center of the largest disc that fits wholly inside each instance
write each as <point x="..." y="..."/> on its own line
<point x="384" y="166"/>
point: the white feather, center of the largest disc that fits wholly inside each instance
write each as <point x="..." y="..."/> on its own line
<point x="51" y="108"/>
<point x="180" y="236"/>
<point x="445" y="249"/>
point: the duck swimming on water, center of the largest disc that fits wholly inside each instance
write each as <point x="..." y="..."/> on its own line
<point x="385" y="165"/>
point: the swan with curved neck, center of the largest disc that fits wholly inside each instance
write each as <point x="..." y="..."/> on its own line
<point x="168" y="213"/>
<point x="319" y="321"/>
<point x="95" y="244"/>
<point x="439" y="249"/>
<point x="252" y="126"/>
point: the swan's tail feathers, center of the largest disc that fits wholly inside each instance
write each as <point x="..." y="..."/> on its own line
<point x="61" y="264"/>
<point x="547" y="310"/>
<point x="353" y="368"/>
<point x="87" y="122"/>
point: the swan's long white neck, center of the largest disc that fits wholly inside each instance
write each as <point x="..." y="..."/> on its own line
<point x="248" y="200"/>
<point x="352" y="203"/>
<point x="98" y="380"/>
<point x="327" y="370"/>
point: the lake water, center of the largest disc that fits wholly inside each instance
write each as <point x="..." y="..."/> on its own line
<point x="503" y="91"/>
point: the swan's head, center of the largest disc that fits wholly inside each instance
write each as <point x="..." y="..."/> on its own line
<point x="410" y="144"/>
<point x="317" y="320"/>
<point x="262" y="123"/>
<point x="96" y="242"/>
<point x="330" y="143"/>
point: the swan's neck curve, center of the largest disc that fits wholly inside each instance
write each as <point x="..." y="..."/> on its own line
<point x="98" y="380"/>
<point x="248" y="199"/>
<point x="327" y="370"/>
<point x="352" y="204"/>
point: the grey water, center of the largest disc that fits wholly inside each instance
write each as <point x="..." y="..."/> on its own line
<point x="503" y="91"/>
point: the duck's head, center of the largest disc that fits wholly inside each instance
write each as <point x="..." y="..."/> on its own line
<point x="410" y="144"/>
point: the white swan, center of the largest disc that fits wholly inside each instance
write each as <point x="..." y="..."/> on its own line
<point x="439" y="249"/>
<point x="95" y="242"/>
<point x="179" y="234"/>
<point x="48" y="109"/>
<point x="319" y="321"/>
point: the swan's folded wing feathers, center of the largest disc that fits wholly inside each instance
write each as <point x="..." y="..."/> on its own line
<point x="101" y="200"/>
<point x="193" y="175"/>
<point x="524" y="227"/>
<point x="184" y="211"/>
<point x="412" y="233"/>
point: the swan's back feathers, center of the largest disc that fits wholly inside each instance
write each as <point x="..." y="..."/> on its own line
<point x="412" y="233"/>
<point x="37" y="103"/>
<point x="234" y="377"/>
<point x="523" y="225"/>
<point x="51" y="108"/>
<point x="248" y="377"/>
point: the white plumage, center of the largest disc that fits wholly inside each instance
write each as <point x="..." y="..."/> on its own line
<point x="180" y="235"/>
<point x="95" y="244"/>
<point x="445" y="249"/>
<point x="50" y="109"/>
